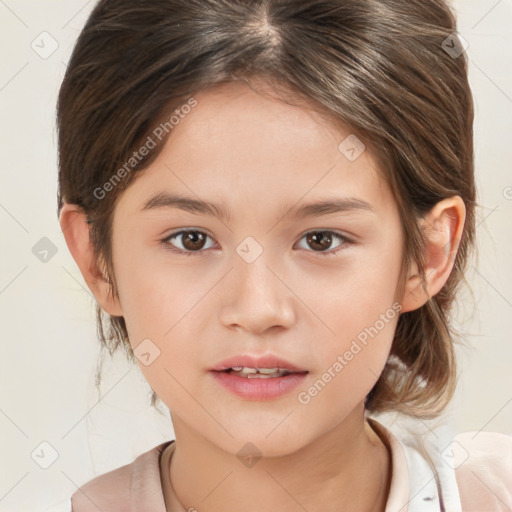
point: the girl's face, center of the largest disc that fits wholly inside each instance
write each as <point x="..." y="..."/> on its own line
<point x="260" y="274"/>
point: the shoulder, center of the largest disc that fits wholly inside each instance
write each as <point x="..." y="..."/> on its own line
<point x="115" y="490"/>
<point x="483" y="469"/>
<point x="98" y="493"/>
<point x="472" y="470"/>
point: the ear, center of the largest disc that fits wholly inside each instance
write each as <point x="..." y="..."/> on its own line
<point x="76" y="233"/>
<point x="442" y="227"/>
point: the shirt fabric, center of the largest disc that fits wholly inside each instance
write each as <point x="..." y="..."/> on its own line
<point x="470" y="473"/>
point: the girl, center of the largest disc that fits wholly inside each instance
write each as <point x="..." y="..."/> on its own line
<point x="273" y="203"/>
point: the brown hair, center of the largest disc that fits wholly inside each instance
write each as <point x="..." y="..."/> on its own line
<point x="392" y="70"/>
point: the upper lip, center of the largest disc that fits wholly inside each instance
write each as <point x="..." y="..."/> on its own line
<point x="250" y="361"/>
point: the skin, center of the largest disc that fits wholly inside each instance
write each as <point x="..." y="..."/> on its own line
<point x="257" y="157"/>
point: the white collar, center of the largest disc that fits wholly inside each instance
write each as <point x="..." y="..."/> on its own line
<point x="422" y="479"/>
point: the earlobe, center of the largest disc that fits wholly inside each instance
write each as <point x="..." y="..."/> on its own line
<point x="74" y="226"/>
<point x="442" y="228"/>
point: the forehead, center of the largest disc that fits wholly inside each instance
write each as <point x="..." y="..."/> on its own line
<point x="248" y="148"/>
<point x="258" y="124"/>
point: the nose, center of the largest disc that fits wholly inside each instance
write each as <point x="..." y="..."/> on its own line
<point x="256" y="298"/>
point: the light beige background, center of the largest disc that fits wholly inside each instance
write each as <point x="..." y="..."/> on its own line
<point x="49" y="347"/>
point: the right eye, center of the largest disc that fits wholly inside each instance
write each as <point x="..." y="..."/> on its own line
<point x="192" y="241"/>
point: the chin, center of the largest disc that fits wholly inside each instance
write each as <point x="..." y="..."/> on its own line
<point x="264" y="441"/>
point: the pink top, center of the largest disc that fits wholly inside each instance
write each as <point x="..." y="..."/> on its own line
<point x="472" y="473"/>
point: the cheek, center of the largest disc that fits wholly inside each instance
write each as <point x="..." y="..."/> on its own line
<point x="161" y="307"/>
<point x="354" y="294"/>
<point x="358" y="317"/>
<point x="157" y="317"/>
<point x="154" y="293"/>
<point x="352" y="357"/>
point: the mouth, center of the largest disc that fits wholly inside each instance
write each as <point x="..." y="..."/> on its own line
<point x="258" y="378"/>
<point x="258" y="373"/>
<point x="249" y="366"/>
<point x="259" y="383"/>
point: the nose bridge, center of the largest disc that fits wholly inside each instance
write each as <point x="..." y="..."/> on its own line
<point x="256" y="298"/>
<point x="255" y="281"/>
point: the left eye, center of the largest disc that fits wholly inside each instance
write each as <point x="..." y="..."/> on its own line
<point x="323" y="239"/>
<point x="193" y="241"/>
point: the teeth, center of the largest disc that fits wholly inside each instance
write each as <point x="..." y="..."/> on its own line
<point x="267" y="371"/>
<point x="247" y="370"/>
<point x="261" y="373"/>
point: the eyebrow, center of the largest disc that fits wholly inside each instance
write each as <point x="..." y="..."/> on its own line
<point x="317" y="208"/>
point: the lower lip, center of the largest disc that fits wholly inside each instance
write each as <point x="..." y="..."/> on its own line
<point x="259" y="388"/>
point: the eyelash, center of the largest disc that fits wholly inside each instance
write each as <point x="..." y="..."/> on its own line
<point x="344" y="242"/>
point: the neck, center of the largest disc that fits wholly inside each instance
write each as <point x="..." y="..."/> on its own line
<point x="348" y="468"/>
